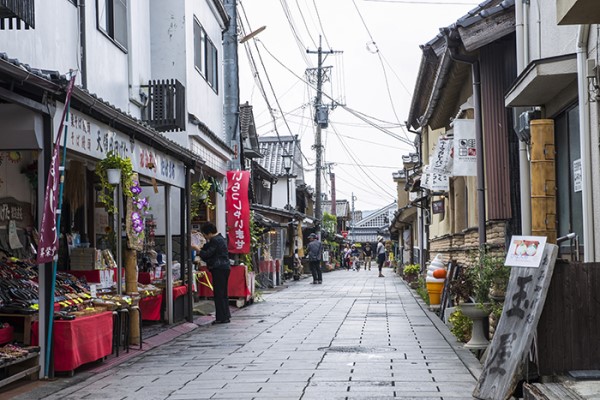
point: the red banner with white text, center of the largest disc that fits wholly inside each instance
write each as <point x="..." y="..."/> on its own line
<point x="238" y="211"/>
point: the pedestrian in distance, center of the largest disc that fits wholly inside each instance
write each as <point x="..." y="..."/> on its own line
<point x="380" y="255"/>
<point x="216" y="256"/>
<point x="368" y="256"/>
<point x="346" y="256"/>
<point x="354" y="254"/>
<point x="315" y="254"/>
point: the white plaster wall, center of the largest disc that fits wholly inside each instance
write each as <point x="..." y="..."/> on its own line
<point x="202" y="101"/>
<point x="107" y="64"/>
<point x="139" y="52"/>
<point x="53" y="44"/>
<point x="280" y="193"/>
<point x="12" y="182"/>
<point x="554" y="39"/>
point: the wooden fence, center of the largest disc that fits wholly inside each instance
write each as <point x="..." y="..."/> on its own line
<point x="569" y="328"/>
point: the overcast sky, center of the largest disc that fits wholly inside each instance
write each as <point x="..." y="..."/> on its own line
<point x="364" y="156"/>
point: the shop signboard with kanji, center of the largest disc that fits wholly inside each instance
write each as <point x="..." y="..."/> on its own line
<point x="525" y="297"/>
<point x="238" y="212"/>
<point x="465" y="148"/>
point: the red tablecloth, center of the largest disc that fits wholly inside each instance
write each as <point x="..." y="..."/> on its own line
<point x="179" y="291"/>
<point x="6" y="335"/>
<point x="150" y="307"/>
<point x="94" y="276"/>
<point x="80" y="341"/>
<point x="237" y="285"/>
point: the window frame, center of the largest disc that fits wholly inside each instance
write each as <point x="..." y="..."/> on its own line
<point x="207" y="55"/>
<point x="107" y="27"/>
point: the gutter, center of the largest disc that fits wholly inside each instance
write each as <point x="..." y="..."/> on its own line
<point x="453" y="41"/>
<point x="585" y="145"/>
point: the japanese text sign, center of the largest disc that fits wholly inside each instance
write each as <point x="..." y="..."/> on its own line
<point x="441" y="159"/>
<point x="465" y="149"/>
<point x="238" y="212"/>
<point x="525" y="297"/>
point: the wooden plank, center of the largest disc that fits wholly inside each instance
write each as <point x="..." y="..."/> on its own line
<point x="525" y="297"/>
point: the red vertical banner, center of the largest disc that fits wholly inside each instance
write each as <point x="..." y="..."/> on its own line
<point x="238" y="211"/>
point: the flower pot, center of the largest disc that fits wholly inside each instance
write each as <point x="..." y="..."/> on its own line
<point x="477" y="313"/>
<point x="113" y="176"/>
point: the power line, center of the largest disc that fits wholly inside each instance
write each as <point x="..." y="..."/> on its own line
<point x="321" y="24"/>
<point x="351" y="111"/>
<point x="450" y="3"/>
<point x="288" y="16"/>
<point x="305" y="24"/>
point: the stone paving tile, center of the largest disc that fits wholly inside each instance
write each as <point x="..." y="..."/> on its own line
<point x="280" y="349"/>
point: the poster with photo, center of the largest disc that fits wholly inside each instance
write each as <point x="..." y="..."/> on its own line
<point x="525" y="251"/>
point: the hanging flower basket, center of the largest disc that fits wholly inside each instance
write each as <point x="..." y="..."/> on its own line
<point x="113" y="176"/>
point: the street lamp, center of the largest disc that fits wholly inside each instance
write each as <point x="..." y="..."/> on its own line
<point x="287" y="165"/>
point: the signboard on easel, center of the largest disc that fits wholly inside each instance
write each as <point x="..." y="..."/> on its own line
<point x="525" y="297"/>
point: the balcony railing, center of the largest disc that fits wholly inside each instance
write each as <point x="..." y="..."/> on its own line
<point x="17" y="14"/>
<point x="165" y="110"/>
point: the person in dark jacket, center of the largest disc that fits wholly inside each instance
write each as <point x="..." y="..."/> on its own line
<point x="216" y="256"/>
<point x="315" y="252"/>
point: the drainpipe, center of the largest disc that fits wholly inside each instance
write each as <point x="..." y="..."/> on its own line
<point x="585" y="144"/>
<point x="522" y="37"/>
<point x="452" y="42"/>
<point x="82" y="45"/>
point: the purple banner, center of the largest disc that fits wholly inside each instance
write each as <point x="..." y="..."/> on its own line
<point x="48" y="246"/>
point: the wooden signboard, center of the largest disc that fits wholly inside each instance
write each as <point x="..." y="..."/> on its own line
<point x="525" y="297"/>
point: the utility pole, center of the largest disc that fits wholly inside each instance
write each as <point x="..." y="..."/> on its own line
<point x="321" y="119"/>
<point x="333" y="195"/>
<point x="231" y="104"/>
<point x="352" y="217"/>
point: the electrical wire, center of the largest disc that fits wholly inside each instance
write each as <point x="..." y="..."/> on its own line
<point x="450" y="3"/>
<point x="321" y="24"/>
<point x="351" y="111"/>
<point x="305" y="24"/>
<point x="292" y="24"/>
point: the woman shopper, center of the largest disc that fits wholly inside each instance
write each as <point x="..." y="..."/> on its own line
<point x="380" y="255"/>
<point x="216" y="256"/>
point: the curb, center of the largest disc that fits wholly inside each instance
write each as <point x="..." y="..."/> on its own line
<point x="465" y="355"/>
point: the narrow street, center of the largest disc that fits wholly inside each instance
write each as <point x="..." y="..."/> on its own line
<point x="356" y="336"/>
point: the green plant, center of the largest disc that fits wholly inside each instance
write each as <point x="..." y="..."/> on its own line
<point x="412" y="269"/>
<point x="330" y="223"/>
<point x="487" y="270"/>
<point x="113" y="161"/>
<point x="422" y="290"/>
<point x="461" y="326"/>
<point x="200" y="194"/>
<point x="256" y="233"/>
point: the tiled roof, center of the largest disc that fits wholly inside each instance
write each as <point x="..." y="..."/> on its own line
<point x="342" y="208"/>
<point x="273" y="148"/>
<point x="248" y="131"/>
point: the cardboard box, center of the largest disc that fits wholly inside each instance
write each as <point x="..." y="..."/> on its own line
<point x="83" y="259"/>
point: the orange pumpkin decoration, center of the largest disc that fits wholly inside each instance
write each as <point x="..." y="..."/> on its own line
<point x="440" y="273"/>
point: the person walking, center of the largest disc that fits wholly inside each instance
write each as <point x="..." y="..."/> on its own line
<point x="315" y="252"/>
<point x="354" y="253"/>
<point x="380" y="255"/>
<point x="368" y="256"/>
<point x="346" y="256"/>
<point x="216" y="256"/>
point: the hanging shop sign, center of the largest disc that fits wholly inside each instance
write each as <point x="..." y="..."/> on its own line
<point x="441" y="160"/>
<point x="435" y="181"/>
<point x="465" y="153"/>
<point x="94" y="139"/>
<point x="238" y="212"/>
<point x="437" y="206"/>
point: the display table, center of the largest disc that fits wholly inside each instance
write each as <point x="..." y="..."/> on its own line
<point x="237" y="286"/>
<point x="150" y="307"/>
<point x="80" y="341"/>
<point x="23" y="324"/>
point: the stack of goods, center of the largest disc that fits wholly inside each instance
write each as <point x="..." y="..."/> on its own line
<point x="148" y="290"/>
<point x="10" y="353"/>
<point x="115" y="302"/>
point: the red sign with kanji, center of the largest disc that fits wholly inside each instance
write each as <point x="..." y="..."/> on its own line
<point x="238" y="212"/>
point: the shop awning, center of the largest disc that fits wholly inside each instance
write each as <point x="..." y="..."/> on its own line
<point x="542" y="80"/>
<point x="403" y="217"/>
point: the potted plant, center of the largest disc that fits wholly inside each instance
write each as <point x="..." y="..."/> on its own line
<point x="411" y="272"/>
<point x="112" y="162"/>
<point x="201" y="195"/>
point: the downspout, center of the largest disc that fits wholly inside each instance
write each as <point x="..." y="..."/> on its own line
<point x="420" y="210"/>
<point x="82" y="45"/>
<point x="452" y="42"/>
<point x="585" y="145"/>
<point x="522" y="38"/>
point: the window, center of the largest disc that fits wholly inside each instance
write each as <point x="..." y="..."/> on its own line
<point x="112" y="20"/>
<point x="206" y="58"/>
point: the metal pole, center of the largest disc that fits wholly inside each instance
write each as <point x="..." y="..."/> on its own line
<point x="352" y="217"/>
<point x="287" y="179"/>
<point x="231" y="81"/>
<point x="119" y="243"/>
<point x="481" y="209"/>
<point x="169" y="253"/>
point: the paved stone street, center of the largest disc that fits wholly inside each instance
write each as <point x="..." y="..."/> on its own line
<point x="356" y="336"/>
